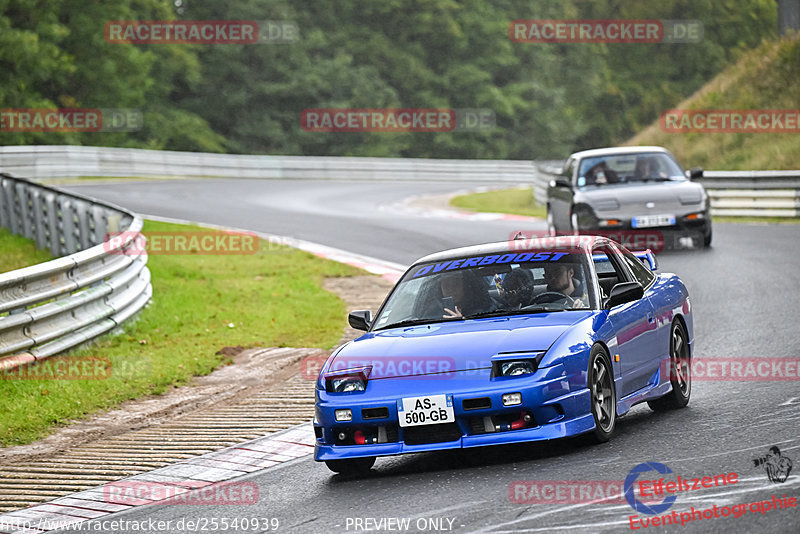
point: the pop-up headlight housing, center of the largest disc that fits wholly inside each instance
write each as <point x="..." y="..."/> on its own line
<point x="517" y="364"/>
<point x="353" y="380"/>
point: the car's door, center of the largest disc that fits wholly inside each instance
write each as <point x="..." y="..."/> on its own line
<point x="559" y="195"/>
<point x="659" y="349"/>
<point x="633" y="322"/>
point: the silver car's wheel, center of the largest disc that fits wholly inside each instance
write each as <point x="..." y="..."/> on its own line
<point x="573" y="220"/>
<point x="551" y="227"/>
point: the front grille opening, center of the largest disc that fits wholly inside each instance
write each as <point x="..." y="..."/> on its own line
<point x="419" y="435"/>
<point x="480" y="403"/>
<point x="501" y="423"/>
<point x="365" y="435"/>
<point x="375" y="413"/>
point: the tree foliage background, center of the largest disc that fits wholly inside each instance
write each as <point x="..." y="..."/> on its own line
<point x="549" y="99"/>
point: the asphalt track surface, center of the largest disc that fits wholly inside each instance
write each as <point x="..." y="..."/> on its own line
<point x="745" y="296"/>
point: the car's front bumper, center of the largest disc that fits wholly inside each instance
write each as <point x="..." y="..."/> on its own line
<point x="558" y="406"/>
<point x="656" y="238"/>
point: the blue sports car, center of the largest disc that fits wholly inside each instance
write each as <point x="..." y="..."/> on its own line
<point x="525" y="340"/>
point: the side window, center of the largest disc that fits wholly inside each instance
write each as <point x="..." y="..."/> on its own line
<point x="609" y="273"/>
<point x="642" y="274"/>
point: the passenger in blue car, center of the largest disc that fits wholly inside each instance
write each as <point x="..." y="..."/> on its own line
<point x="465" y="292"/>
<point x="516" y="289"/>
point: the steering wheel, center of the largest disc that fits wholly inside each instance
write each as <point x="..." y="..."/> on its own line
<point x="552" y="296"/>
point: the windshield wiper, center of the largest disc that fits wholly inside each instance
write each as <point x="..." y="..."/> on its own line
<point x="415" y="322"/>
<point x="521" y="311"/>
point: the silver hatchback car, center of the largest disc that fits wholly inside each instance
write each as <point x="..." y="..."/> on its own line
<point x="629" y="190"/>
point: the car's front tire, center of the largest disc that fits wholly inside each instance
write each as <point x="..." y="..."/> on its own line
<point x="679" y="372"/>
<point x="351" y="466"/>
<point x="582" y="219"/>
<point x="707" y="237"/>
<point x="551" y="227"/>
<point x="603" y="397"/>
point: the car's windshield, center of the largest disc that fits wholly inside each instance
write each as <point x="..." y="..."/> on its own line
<point x="625" y="168"/>
<point x="489" y="285"/>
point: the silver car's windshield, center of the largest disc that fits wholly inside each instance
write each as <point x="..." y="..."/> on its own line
<point x="484" y="286"/>
<point x="627" y="168"/>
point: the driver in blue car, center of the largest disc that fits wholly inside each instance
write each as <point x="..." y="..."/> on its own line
<point x="560" y="278"/>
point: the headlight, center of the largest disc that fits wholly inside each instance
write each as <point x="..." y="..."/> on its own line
<point x="522" y="367"/>
<point x="515" y="367"/>
<point x="694" y="197"/>
<point x="347" y="380"/>
<point x="605" y="204"/>
<point x="348" y="384"/>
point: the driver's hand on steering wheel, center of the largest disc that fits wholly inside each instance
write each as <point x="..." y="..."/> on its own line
<point x="578" y="303"/>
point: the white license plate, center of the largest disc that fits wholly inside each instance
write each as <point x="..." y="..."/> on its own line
<point x="429" y="410"/>
<point x="646" y="221"/>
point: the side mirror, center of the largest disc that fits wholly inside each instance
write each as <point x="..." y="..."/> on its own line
<point x="648" y="258"/>
<point x="622" y="293"/>
<point x="696" y="172"/>
<point x="560" y="182"/>
<point x="360" y="319"/>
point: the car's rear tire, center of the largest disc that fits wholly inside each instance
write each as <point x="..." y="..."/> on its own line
<point x="351" y="466"/>
<point x="602" y="394"/>
<point x="679" y="372"/>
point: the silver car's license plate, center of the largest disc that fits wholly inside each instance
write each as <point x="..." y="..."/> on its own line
<point x="646" y="221"/>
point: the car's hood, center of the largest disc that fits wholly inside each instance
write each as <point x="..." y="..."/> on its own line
<point x="644" y="198"/>
<point x="453" y="346"/>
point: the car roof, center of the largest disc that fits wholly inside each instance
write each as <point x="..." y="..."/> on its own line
<point x="581" y="243"/>
<point x="612" y="151"/>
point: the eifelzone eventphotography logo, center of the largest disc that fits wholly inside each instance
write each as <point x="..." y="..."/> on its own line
<point x="777" y="466"/>
<point x="630" y="495"/>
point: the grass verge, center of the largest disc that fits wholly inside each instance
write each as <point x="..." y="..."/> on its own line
<point x="17" y="252"/>
<point x="512" y="201"/>
<point x="201" y="303"/>
<point x="763" y="79"/>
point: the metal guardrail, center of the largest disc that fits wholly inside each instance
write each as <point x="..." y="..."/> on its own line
<point x="57" y="305"/>
<point x="753" y="193"/>
<point x="733" y="193"/>
<point x="42" y="162"/>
